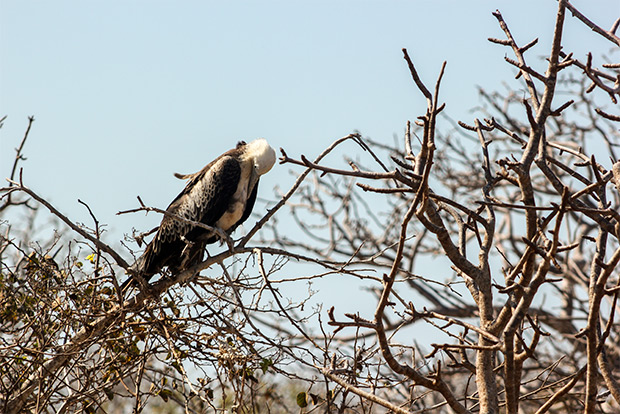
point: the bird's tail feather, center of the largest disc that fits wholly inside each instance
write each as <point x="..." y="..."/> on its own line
<point x="140" y="268"/>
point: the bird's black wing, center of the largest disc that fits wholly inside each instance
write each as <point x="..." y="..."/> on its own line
<point x="205" y="199"/>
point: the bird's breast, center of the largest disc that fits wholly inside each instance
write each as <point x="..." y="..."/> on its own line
<point x="232" y="215"/>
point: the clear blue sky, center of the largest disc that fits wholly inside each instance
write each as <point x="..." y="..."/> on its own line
<point x="127" y="92"/>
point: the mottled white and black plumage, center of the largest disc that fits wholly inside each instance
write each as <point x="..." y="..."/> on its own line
<point x="221" y="195"/>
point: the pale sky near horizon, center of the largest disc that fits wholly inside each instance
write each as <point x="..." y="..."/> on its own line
<point x="125" y="93"/>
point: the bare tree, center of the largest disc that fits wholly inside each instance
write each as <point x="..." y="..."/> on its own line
<point x="500" y="235"/>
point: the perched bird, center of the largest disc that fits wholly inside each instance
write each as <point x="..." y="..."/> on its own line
<point x="220" y="195"/>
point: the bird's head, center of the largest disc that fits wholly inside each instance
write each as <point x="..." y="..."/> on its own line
<point x="261" y="154"/>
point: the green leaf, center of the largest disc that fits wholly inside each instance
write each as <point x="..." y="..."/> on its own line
<point x="165" y="394"/>
<point x="209" y="393"/>
<point x="109" y="393"/>
<point x="177" y="366"/>
<point x="265" y="364"/>
<point x="249" y="374"/>
<point x="301" y="400"/>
